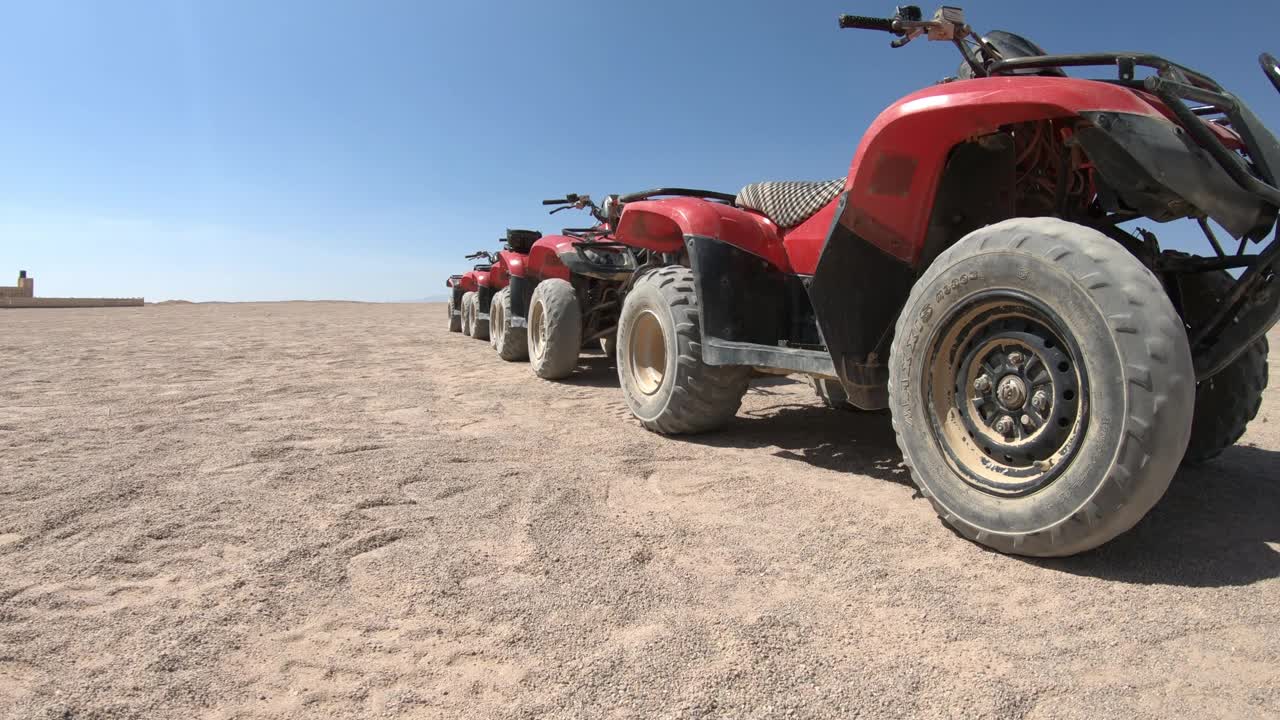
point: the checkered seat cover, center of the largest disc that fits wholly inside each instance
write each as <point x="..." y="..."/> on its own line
<point x="789" y="203"/>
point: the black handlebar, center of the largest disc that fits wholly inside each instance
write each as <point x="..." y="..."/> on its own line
<point x="566" y="200"/>
<point x="858" y="22"/>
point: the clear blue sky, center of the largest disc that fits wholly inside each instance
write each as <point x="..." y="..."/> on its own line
<point x="240" y="150"/>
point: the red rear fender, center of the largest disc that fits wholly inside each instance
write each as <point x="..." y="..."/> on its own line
<point x="661" y="226"/>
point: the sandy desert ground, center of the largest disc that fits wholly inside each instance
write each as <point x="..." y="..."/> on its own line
<point x="313" y="510"/>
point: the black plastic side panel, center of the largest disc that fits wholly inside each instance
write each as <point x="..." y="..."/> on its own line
<point x="751" y="313"/>
<point x="857" y="293"/>
<point x="521" y="294"/>
<point x="741" y="297"/>
<point x="485" y="296"/>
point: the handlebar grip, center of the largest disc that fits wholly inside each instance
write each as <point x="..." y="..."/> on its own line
<point x="858" y="22"/>
<point x="557" y="201"/>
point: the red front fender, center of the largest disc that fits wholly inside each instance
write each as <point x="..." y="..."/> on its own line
<point x="895" y="172"/>
<point x="661" y="226"/>
<point x="544" y="257"/>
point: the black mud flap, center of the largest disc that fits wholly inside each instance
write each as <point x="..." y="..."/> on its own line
<point x="521" y="295"/>
<point x="456" y="302"/>
<point x="857" y="293"/>
<point x="485" y="296"/>
<point x="752" y="314"/>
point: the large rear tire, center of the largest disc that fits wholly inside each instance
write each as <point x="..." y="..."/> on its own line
<point x="555" y="329"/>
<point x="510" y="342"/>
<point x="455" y="316"/>
<point x="468" y="312"/>
<point x="1041" y="387"/>
<point x="659" y="357"/>
<point x="1228" y="401"/>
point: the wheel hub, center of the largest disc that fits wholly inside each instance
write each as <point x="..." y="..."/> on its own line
<point x="1012" y="392"/>
<point x="1006" y="395"/>
<point x="647" y="353"/>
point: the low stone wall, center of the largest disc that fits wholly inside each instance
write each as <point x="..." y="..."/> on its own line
<point x="29" y="302"/>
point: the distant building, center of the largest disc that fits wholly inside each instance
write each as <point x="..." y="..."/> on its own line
<point x="23" y="295"/>
<point x="26" y="287"/>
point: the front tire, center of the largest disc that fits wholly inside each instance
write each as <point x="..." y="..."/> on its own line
<point x="1041" y="387"/>
<point x="659" y="357"/>
<point x="510" y="342"/>
<point x="555" y="329"/>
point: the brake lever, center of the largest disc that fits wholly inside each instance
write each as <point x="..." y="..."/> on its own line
<point x="562" y="207"/>
<point x="907" y="36"/>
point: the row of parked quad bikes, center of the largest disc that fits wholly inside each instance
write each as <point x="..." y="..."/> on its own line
<point x="1048" y="367"/>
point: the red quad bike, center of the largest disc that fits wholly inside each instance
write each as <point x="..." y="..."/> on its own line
<point x="468" y="292"/>
<point x="569" y="294"/>
<point x="508" y="341"/>
<point x="1046" y="369"/>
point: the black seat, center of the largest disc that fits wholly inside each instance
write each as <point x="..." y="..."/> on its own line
<point x="789" y="203"/>
<point x="521" y="240"/>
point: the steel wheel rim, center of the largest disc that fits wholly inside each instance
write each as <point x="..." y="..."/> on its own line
<point x="536" y="330"/>
<point x="1006" y="393"/>
<point x="647" y="353"/>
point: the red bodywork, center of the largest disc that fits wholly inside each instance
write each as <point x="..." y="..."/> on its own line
<point x="473" y="280"/>
<point x="509" y="263"/>
<point x="544" y="257"/>
<point x="894" y="175"/>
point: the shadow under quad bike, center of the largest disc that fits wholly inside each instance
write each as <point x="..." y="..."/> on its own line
<point x="1046" y="369"/>
<point x="471" y="293"/>
<point x="568" y="296"/>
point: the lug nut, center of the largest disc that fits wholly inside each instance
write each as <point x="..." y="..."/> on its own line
<point x="1040" y="401"/>
<point x="982" y="384"/>
<point x="1004" y="426"/>
<point x="1015" y="359"/>
<point x="1027" y="423"/>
